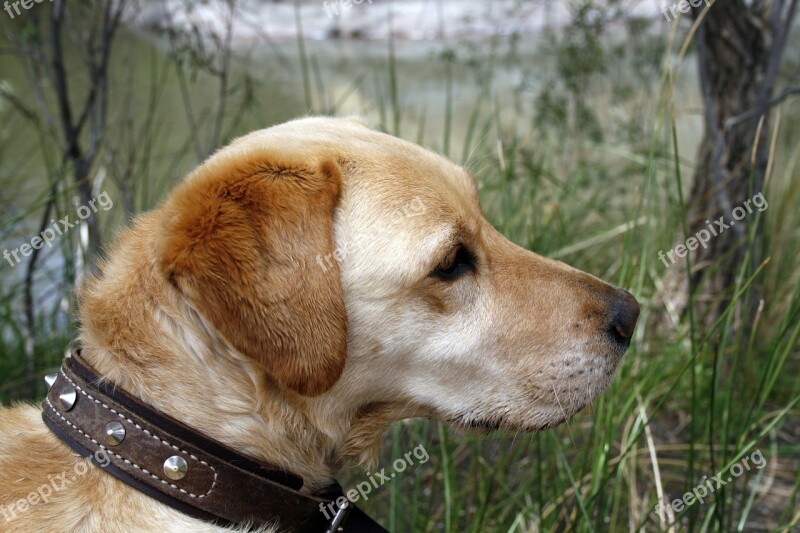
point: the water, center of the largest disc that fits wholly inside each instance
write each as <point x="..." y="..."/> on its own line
<point x="147" y="112"/>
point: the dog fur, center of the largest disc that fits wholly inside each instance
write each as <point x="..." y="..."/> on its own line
<point x="290" y="299"/>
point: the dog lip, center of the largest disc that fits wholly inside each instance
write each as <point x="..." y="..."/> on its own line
<point x="484" y="425"/>
<point x="481" y="424"/>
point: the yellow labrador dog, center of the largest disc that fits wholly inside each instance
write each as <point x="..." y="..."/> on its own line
<point x="301" y="290"/>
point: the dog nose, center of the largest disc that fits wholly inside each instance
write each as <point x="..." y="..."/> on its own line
<point x="623" y="313"/>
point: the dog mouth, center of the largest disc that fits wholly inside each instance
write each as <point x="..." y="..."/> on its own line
<point x="483" y="426"/>
<point x="550" y="399"/>
<point x="533" y="419"/>
<point x="480" y="425"/>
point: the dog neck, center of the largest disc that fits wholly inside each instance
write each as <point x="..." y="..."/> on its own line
<point x="152" y="344"/>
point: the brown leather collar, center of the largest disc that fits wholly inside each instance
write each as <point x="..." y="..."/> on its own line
<point x="179" y="467"/>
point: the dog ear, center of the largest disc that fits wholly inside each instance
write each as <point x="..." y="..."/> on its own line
<point x="242" y="241"/>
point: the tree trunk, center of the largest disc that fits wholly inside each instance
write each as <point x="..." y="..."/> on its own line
<point x="739" y="49"/>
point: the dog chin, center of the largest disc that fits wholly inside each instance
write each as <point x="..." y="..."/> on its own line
<point x="539" y="419"/>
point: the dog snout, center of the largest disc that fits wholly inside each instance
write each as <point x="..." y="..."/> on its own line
<point x="623" y="314"/>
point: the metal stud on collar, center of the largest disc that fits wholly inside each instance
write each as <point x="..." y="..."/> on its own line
<point x="67" y="398"/>
<point x="175" y="467"/>
<point x="114" y="433"/>
<point x="50" y="379"/>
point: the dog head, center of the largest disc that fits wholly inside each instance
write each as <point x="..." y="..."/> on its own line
<point x="358" y="269"/>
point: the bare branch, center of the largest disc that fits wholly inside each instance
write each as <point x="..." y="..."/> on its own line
<point x="18" y="105"/>
<point x="755" y="112"/>
<point x="224" y="74"/>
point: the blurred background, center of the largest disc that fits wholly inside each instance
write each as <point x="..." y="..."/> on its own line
<point x="603" y="134"/>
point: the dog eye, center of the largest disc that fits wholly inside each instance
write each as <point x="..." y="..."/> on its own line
<point x="457" y="263"/>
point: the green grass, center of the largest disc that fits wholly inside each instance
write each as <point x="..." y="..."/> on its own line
<point x="687" y="401"/>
